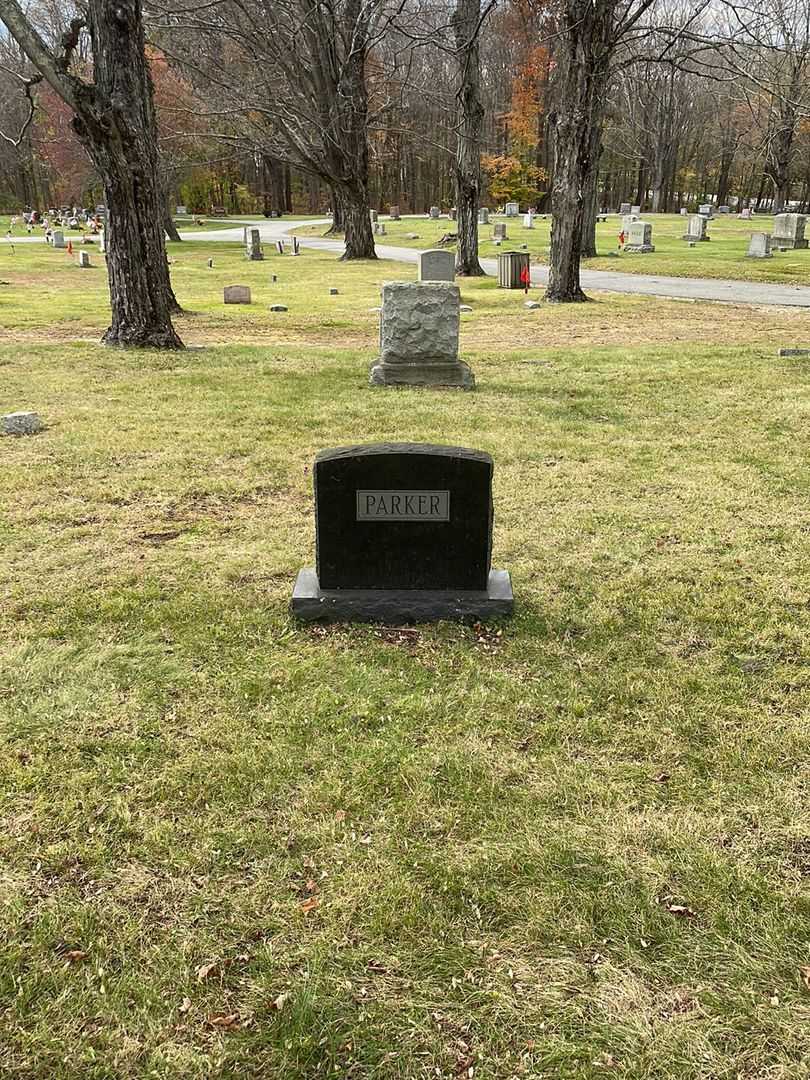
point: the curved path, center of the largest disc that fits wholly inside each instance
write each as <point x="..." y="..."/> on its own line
<point x="678" y="288"/>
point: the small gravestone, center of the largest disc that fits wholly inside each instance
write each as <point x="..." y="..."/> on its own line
<point x="528" y="220"/>
<point x="254" y="246"/>
<point x="435" y="213"/>
<point x="84" y="260"/>
<point x="375" y="227"/>
<point x="684" y="211"/>
<point x="745" y="214"/>
<point x="723" y="209"/>
<point x="374" y="216"/>
<point x="102" y="241"/>
<point x="635" y="210"/>
<point x="624" y="208"/>
<point x="483" y="215"/>
<point x="419" y="337"/>
<point x="759" y="246"/>
<point x="706" y="209"/>
<point x="296" y="246"/>
<point x="436" y="265"/>
<point x="788" y="231"/>
<point x="464" y="308"/>
<point x="696" y="228"/>
<point x="453" y="214"/>
<point x="236" y="294"/>
<point x="280" y="247"/>
<point x="403" y="533"/>
<point x="512" y="209"/>
<point x="381" y="228"/>
<point x="412" y="236"/>
<point x="393" y="213"/>
<point x="627" y="221"/>
<point x="21" y="423"/>
<point x="333" y="292"/>
<point x="499" y="230"/>
<point x="58" y="238"/>
<point x="639" y="239"/>
<point x="180" y="211"/>
<point x="278" y="307"/>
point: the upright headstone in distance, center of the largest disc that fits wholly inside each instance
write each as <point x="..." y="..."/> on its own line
<point x="58" y="238"/>
<point x="403" y="533"/>
<point x="180" y="211"/>
<point x="84" y="260"/>
<point x="723" y="209"/>
<point x="788" y="231"/>
<point x="483" y="215"/>
<point x="684" y="211"/>
<point x="236" y="294"/>
<point x="639" y="239"/>
<point x="436" y="265"/>
<point x="499" y="230"/>
<point x="435" y="213"/>
<point x="419" y="337"/>
<point x="253" y="249"/>
<point x="706" y="209"/>
<point x="624" y="208"/>
<point x="102" y="240"/>
<point x="528" y="220"/>
<point x="374" y="216"/>
<point x="696" y="228"/>
<point x="393" y="213"/>
<point x="635" y="210"/>
<point x="512" y="209"/>
<point x="745" y="213"/>
<point x="759" y="246"/>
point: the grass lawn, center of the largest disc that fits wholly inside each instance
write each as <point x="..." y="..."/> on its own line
<point x="724" y="256"/>
<point x="575" y="845"/>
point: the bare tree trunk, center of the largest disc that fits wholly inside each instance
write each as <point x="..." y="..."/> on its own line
<point x="357" y="224"/>
<point x="585" y="53"/>
<point x="114" y="118"/>
<point x="337" y="227"/>
<point x="168" y="222"/>
<point x="466" y="22"/>
<point x="589" y="208"/>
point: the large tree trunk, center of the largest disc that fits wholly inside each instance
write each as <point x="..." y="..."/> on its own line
<point x="589" y="207"/>
<point x="168" y="222"/>
<point x="585" y="52"/>
<point x="115" y="120"/>
<point x="357" y="224"/>
<point x="466" y="22"/>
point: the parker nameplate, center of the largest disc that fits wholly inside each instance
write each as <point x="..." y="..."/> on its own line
<point x="403" y="505"/>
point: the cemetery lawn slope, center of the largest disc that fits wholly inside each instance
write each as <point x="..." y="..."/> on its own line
<point x="572" y="845"/>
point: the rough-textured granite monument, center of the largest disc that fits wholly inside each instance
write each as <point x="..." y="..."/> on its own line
<point x="21" y="423"/>
<point x="696" y="228"/>
<point x="403" y="532"/>
<point x="419" y="336"/>
<point x="236" y="294"/>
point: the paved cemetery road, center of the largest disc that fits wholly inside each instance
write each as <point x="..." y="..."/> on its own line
<point x="677" y="288"/>
<point x="732" y="292"/>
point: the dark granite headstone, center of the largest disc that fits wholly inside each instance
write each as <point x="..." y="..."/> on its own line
<point x="403" y="531"/>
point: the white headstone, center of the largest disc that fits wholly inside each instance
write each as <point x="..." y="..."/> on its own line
<point x="635" y="210"/>
<point x="84" y="260"/>
<point x="58" y="238"/>
<point x="759" y="246"/>
<point x="696" y="228"/>
<point x="639" y="239"/>
<point x="528" y="220"/>
<point x="435" y="213"/>
<point x="512" y="209"/>
<point x="788" y="231"/>
<point x="483" y="215"/>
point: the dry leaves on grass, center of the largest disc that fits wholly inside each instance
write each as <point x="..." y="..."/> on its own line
<point x="217" y="967"/>
<point x="225" y="1022"/>
<point x="310" y="904"/>
<point x="680" y="911"/>
<point x="805" y="974"/>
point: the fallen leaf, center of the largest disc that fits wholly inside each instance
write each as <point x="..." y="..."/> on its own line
<point x="279" y="1002"/>
<point x="805" y="974"/>
<point x="227" y="1023"/>
<point x="340" y="815"/>
<point x="184" y="1005"/>
<point x="661" y="778"/>
<point x="311" y="885"/>
<point x="73" y="956"/>
<point x="681" y="910"/>
<point x="365" y="840"/>
<point x="310" y="904"/>
<point x="207" y="969"/>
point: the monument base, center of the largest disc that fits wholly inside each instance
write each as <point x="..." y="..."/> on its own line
<point x="311" y="603"/>
<point x="787" y="243"/>
<point x="420" y="374"/>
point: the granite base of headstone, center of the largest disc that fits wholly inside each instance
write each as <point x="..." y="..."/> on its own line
<point x="419" y="326"/>
<point x="403" y="534"/>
